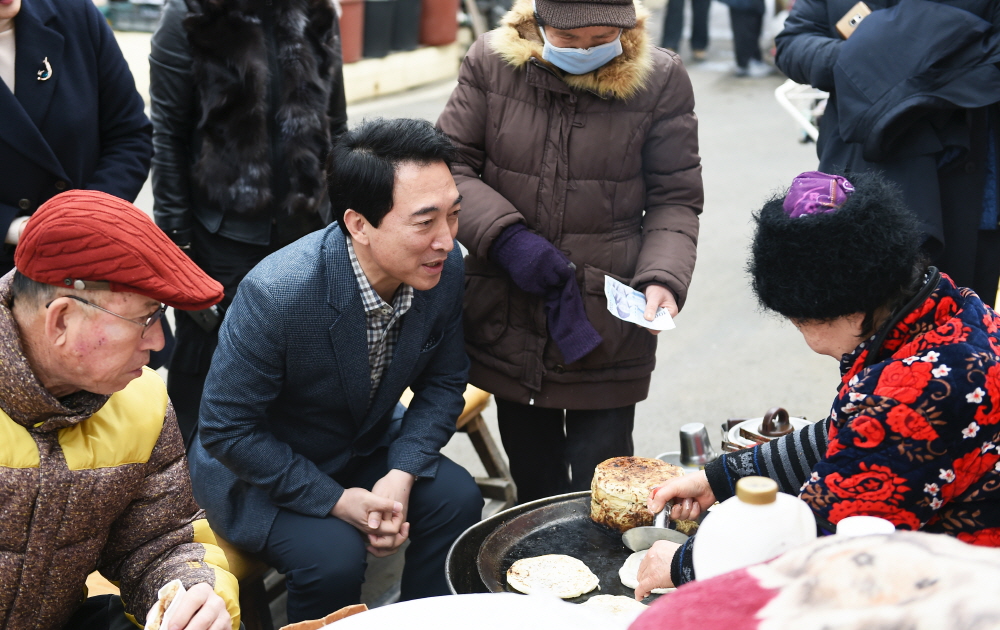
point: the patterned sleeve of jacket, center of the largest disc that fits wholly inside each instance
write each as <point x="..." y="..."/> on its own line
<point x="806" y="48"/>
<point x="172" y="108"/>
<point x="247" y="375"/>
<point x="464" y="120"/>
<point x="788" y="460"/>
<point x="674" y="193"/>
<point x="164" y="536"/>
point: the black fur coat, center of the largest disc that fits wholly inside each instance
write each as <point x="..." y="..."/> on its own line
<point x="232" y="76"/>
<point x="247" y="97"/>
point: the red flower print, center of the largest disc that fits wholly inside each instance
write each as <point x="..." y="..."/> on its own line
<point x="873" y="483"/>
<point x="945" y="309"/>
<point x="991" y="322"/>
<point x="947" y="333"/>
<point x="910" y="424"/>
<point x="915" y="315"/>
<point x="993" y="393"/>
<point x="870" y="432"/>
<point x="984" y="537"/>
<point x="900" y="517"/>
<point x="969" y="469"/>
<point x="833" y="447"/>
<point x="902" y="382"/>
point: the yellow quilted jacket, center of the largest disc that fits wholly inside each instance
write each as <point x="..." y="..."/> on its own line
<point x="93" y="482"/>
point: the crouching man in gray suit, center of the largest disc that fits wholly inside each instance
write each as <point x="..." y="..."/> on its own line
<point x="300" y="453"/>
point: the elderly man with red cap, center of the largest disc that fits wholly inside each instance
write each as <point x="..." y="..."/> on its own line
<point x="91" y="460"/>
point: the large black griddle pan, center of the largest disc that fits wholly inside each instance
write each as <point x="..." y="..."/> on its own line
<point x="560" y="524"/>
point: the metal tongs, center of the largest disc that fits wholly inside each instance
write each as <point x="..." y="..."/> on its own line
<point x="639" y="538"/>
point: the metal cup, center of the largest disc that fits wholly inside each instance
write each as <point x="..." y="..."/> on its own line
<point x="696" y="450"/>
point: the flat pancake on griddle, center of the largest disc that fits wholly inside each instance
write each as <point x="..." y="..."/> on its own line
<point x="557" y="574"/>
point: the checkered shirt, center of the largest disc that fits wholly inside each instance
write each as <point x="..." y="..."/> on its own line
<point x="382" y="320"/>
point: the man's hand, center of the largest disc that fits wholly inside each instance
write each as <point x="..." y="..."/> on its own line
<point x="654" y="572"/>
<point x="694" y="491"/>
<point x="198" y="609"/>
<point x="396" y="486"/>
<point x="659" y="296"/>
<point x="363" y="510"/>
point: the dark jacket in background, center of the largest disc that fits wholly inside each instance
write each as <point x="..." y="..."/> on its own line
<point x="84" y="127"/>
<point x="604" y="166"/>
<point x="222" y="74"/>
<point x="912" y="94"/>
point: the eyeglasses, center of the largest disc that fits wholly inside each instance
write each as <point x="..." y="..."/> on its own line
<point x="145" y="323"/>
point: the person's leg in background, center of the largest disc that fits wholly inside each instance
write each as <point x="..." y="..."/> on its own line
<point x="673" y="25"/>
<point x="593" y="436"/>
<point x="535" y="443"/>
<point x="699" y="28"/>
<point x="746" y="25"/>
<point x="323" y="560"/>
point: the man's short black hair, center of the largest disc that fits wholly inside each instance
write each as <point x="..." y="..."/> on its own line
<point x="363" y="162"/>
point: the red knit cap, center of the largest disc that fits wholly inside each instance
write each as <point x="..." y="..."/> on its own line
<point x="84" y="236"/>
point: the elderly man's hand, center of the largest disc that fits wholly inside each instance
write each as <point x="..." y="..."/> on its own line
<point x="654" y="572"/>
<point x="199" y="609"/>
<point x="693" y="493"/>
<point x="659" y="296"/>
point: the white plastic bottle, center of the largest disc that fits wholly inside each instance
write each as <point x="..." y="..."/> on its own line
<point x="757" y="524"/>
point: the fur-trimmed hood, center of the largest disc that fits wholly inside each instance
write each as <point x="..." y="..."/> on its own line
<point x="518" y="41"/>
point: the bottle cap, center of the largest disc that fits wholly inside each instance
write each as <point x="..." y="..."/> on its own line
<point x="757" y="490"/>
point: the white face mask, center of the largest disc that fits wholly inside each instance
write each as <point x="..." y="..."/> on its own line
<point x="580" y="60"/>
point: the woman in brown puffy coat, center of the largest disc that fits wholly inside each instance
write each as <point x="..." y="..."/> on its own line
<point x="578" y="159"/>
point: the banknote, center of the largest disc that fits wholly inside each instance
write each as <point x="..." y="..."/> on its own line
<point x="629" y="305"/>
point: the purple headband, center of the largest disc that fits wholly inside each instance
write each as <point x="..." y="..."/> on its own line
<point x="816" y="193"/>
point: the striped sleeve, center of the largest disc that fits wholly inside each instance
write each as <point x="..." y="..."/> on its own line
<point x="787" y="460"/>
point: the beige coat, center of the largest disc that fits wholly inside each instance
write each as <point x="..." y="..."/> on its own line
<point x="603" y="165"/>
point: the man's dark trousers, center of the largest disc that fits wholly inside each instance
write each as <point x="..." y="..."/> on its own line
<point x="323" y="559"/>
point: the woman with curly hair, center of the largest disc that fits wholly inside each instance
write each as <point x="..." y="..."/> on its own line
<point x="912" y="434"/>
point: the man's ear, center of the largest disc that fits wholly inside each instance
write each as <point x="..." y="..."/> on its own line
<point x="357" y="225"/>
<point x="57" y="322"/>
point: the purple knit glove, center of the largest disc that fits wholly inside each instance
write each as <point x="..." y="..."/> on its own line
<point x="537" y="267"/>
<point x="534" y="264"/>
<point x="568" y="324"/>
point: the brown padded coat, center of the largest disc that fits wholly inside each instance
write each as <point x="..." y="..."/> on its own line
<point x="91" y="482"/>
<point x="605" y="166"/>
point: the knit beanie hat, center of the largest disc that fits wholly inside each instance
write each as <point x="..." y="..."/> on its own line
<point x="569" y="14"/>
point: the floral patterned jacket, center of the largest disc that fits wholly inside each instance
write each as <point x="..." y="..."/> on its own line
<point x="913" y="433"/>
<point x="914" y="430"/>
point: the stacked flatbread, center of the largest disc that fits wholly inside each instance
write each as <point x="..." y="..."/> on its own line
<point x="557" y="574"/>
<point x="620" y="488"/>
